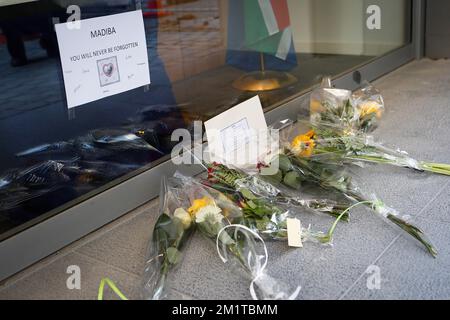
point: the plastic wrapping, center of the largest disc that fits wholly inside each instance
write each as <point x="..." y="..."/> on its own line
<point x="265" y="208"/>
<point x="330" y="142"/>
<point x="100" y="145"/>
<point x="170" y="235"/>
<point x="18" y="186"/>
<point x="351" y="111"/>
<point x="188" y="205"/>
<point x="77" y="166"/>
<point x="369" y="105"/>
<point x="334" y="177"/>
<point x="265" y="203"/>
<point x="266" y="191"/>
<point x="253" y="261"/>
<point x="339" y="126"/>
<point x="21" y="185"/>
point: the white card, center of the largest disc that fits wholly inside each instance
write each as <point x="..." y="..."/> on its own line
<point x="239" y="135"/>
<point x="103" y="57"/>
<point x="294" y="231"/>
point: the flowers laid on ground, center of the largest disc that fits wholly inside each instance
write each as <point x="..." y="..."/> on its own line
<point x="339" y="131"/>
<point x="170" y="234"/>
<point x="188" y="205"/>
<point x="360" y="110"/>
<point x="304" y="144"/>
<point x="264" y="204"/>
<point x="261" y="194"/>
<point x="332" y="177"/>
<point x="240" y="209"/>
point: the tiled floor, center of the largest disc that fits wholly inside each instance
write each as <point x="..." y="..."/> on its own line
<point x="417" y="120"/>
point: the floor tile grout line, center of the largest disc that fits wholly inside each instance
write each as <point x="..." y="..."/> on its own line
<point x="95" y="235"/>
<point x="436" y="219"/>
<point x="38" y="266"/>
<point x="115" y="268"/>
<point x="137" y="276"/>
<point x="9" y="284"/>
<point x="393" y="241"/>
<point x="107" y="264"/>
<point x="432" y="200"/>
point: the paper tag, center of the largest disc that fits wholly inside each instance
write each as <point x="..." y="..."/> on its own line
<point x="294" y="231"/>
<point x="104" y="56"/>
<point x="238" y="136"/>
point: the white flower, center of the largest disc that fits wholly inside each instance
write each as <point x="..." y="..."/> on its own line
<point x="210" y="214"/>
<point x="184" y="217"/>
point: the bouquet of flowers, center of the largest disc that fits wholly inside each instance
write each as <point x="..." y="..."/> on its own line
<point x="264" y="191"/>
<point x="187" y="206"/>
<point x="334" y="178"/>
<point x="338" y="130"/>
<point x="170" y="235"/>
<point x="357" y="111"/>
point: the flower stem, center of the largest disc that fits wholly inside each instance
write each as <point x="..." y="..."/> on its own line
<point x="329" y="236"/>
<point x="412" y="230"/>
<point x="356" y="196"/>
<point x="439" y="168"/>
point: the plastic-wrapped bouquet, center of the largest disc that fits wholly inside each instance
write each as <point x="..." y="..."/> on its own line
<point x="357" y="111"/>
<point x="338" y="130"/>
<point x="187" y="206"/>
<point x="335" y="178"/>
<point x="170" y="235"/>
<point x="264" y="195"/>
<point x="266" y="208"/>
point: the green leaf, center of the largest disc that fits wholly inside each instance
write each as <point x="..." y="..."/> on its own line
<point x="262" y="224"/>
<point x="160" y="236"/>
<point x="173" y="255"/>
<point x="284" y="163"/>
<point x="163" y="220"/>
<point x="247" y="194"/>
<point x="293" y="180"/>
<point x="225" y="238"/>
<point x="251" y="204"/>
<point x="274" y="179"/>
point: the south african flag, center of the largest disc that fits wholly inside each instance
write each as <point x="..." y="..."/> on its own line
<point x="260" y="26"/>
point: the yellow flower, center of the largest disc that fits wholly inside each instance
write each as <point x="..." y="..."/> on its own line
<point x="370" y="107"/>
<point x="315" y="106"/>
<point x="198" y="204"/>
<point x="303" y="145"/>
<point x="183" y="217"/>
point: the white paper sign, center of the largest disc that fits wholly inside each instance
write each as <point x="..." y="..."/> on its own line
<point x="105" y="56"/>
<point x="239" y="135"/>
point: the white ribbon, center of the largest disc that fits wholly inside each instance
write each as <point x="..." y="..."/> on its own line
<point x="258" y="269"/>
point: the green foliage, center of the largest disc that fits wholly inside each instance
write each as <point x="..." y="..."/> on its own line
<point x="173" y="255"/>
<point x="292" y="179"/>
